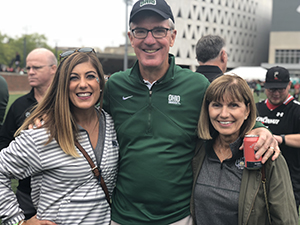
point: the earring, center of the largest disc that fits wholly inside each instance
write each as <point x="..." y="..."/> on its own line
<point x="245" y="117"/>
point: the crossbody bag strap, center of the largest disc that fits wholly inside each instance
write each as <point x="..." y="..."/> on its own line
<point x="263" y="180"/>
<point x="95" y="171"/>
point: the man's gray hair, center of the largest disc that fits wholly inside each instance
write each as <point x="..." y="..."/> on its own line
<point x="209" y="47"/>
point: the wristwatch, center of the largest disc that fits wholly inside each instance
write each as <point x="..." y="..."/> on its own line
<point x="283" y="138"/>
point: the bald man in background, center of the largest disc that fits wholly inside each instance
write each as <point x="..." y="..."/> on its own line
<point x="41" y="65"/>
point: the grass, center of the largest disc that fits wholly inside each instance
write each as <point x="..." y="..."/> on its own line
<point x="12" y="98"/>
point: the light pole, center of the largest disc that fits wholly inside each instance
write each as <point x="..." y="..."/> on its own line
<point x="127" y="2"/>
<point x="24" y="47"/>
<point x="56" y="49"/>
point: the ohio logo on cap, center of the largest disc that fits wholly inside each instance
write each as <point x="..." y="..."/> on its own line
<point x="147" y="2"/>
<point x="160" y="7"/>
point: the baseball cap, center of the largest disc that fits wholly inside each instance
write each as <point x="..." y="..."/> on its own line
<point x="277" y="77"/>
<point x="161" y="7"/>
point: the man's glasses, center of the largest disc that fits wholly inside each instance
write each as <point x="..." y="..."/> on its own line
<point x="141" y="33"/>
<point x="70" y="52"/>
<point x="35" y="68"/>
<point x="280" y="90"/>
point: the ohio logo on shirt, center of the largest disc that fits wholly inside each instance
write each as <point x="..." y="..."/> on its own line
<point x="174" y="99"/>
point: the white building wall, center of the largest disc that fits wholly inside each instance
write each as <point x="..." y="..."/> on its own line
<point x="283" y="40"/>
<point x="245" y="25"/>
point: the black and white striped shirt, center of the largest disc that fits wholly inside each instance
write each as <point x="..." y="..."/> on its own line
<point x="64" y="190"/>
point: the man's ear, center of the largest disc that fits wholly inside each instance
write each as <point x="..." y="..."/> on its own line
<point x="173" y="36"/>
<point x="223" y="56"/>
<point x="130" y="36"/>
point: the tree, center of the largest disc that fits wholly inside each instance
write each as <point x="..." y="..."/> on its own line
<point x="23" y="45"/>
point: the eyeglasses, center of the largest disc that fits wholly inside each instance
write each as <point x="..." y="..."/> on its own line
<point x="35" y="68"/>
<point x="70" y="52"/>
<point x="141" y="33"/>
<point x="280" y="90"/>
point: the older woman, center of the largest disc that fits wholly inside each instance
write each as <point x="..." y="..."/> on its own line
<point x="64" y="187"/>
<point x="225" y="192"/>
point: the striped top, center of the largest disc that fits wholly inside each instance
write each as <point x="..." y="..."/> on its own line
<point x="64" y="189"/>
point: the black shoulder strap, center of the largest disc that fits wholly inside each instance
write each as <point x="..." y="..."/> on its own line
<point x="263" y="173"/>
<point x="98" y="151"/>
<point x="95" y="170"/>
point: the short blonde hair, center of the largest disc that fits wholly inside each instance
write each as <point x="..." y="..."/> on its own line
<point x="236" y="88"/>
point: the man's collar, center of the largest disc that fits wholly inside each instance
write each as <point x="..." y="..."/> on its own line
<point x="272" y="107"/>
<point x="166" y="77"/>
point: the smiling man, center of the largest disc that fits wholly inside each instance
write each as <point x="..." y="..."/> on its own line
<point x="155" y="106"/>
<point x="280" y="112"/>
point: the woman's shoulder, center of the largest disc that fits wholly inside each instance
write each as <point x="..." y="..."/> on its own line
<point x="107" y="116"/>
<point x="35" y="137"/>
<point x="278" y="164"/>
<point x="36" y="133"/>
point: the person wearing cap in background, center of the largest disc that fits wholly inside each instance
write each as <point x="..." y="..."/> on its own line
<point x="155" y="106"/>
<point x="280" y="112"/>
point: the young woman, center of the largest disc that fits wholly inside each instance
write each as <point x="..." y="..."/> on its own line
<point x="64" y="188"/>
<point x="225" y="192"/>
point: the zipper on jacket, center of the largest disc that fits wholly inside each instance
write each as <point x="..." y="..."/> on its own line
<point x="149" y="113"/>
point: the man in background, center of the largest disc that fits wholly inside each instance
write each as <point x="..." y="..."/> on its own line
<point x="212" y="56"/>
<point x="280" y="112"/>
<point x="4" y="96"/>
<point x="41" y="66"/>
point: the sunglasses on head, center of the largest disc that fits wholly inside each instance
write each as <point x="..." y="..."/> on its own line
<point x="70" y="52"/>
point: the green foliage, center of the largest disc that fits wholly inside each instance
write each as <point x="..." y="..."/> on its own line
<point x="9" y="46"/>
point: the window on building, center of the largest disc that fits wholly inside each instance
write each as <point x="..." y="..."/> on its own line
<point x="289" y="56"/>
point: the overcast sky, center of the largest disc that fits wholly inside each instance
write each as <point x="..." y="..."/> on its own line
<point x="67" y="23"/>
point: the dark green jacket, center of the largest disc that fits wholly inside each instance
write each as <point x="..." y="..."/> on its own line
<point x="156" y="132"/>
<point x="252" y="210"/>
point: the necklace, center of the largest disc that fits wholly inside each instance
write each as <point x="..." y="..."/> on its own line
<point x="223" y="151"/>
<point x="221" y="154"/>
<point x="226" y="156"/>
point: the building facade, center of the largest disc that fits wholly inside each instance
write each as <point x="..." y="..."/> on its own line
<point x="285" y="37"/>
<point x="244" y="24"/>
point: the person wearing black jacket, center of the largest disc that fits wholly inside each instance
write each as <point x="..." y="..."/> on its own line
<point x="280" y="113"/>
<point x="212" y="56"/>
